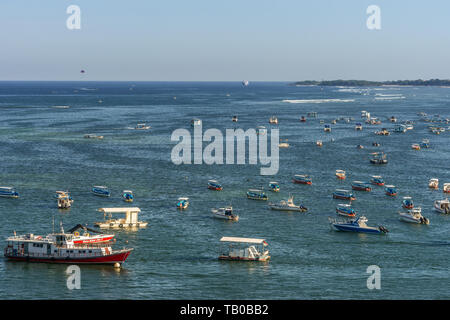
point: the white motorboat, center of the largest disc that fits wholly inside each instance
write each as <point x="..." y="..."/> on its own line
<point x="433" y="183"/>
<point x="142" y="126"/>
<point x="413" y="216"/>
<point x="442" y="206"/>
<point x="287" y="205"/>
<point x="225" y="213"/>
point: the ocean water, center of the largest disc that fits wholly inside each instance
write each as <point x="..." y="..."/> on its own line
<point x="42" y="149"/>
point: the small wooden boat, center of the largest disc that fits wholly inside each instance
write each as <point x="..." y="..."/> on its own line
<point x="361" y="186"/>
<point x="274" y="186"/>
<point x="302" y="179"/>
<point x="433" y="183"/>
<point x="101" y="191"/>
<point x="214" y="185"/>
<point x="8" y="192"/>
<point x="345" y="210"/>
<point x="377" y="180"/>
<point x="407" y="203"/>
<point x="129" y="221"/>
<point x="446" y="188"/>
<point x="257" y="194"/>
<point x="127" y="195"/>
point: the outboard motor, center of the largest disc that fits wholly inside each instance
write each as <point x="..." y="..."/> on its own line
<point x="383" y="229"/>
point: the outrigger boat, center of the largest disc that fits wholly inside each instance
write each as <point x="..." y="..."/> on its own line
<point x="302" y="179"/>
<point x="433" y="183"/>
<point x="390" y="190"/>
<point x="442" y="206"/>
<point x="130" y="220"/>
<point x="101" y="191"/>
<point x="62" y="248"/>
<point x="377" y="180"/>
<point x="343" y="195"/>
<point x="257" y="194"/>
<point x="225" y="213"/>
<point x="345" y="210"/>
<point x="287" y="205"/>
<point x="446" y="188"/>
<point x="214" y="185"/>
<point x="358" y="225"/>
<point x="407" y="203"/>
<point x="127" y="195"/>
<point x="274" y="186"/>
<point x="360" y="186"/>
<point x="250" y="252"/>
<point x="340" y="174"/>
<point x="183" y="203"/>
<point x="413" y="216"/>
<point x="8" y="192"/>
<point x="378" y="158"/>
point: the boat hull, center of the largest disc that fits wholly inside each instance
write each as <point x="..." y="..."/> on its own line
<point x="228" y="258"/>
<point x="336" y="196"/>
<point x="356" y="229"/>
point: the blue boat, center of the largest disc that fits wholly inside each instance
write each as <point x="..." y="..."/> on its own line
<point x="344" y="195"/>
<point x="256" y="194"/>
<point x="274" y="186"/>
<point x="182" y="203"/>
<point x="361" y="186"/>
<point x="358" y="225"/>
<point x="407" y="203"/>
<point x="8" y="192"/>
<point x="127" y="196"/>
<point x="101" y="191"/>
<point x="214" y="185"/>
<point x="345" y="210"/>
<point x="390" y="190"/>
<point x="377" y="180"/>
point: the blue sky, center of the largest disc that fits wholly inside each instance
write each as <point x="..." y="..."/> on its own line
<point x="210" y="40"/>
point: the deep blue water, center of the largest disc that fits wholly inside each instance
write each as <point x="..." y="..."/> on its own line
<point x="42" y="149"/>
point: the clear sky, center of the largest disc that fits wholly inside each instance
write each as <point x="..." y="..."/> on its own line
<point x="228" y="40"/>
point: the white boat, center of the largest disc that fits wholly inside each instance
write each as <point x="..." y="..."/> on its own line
<point x="8" y="192"/>
<point x="433" y="183"/>
<point x="340" y="174"/>
<point x="319" y="143"/>
<point x="446" y="188"/>
<point x="283" y="144"/>
<point x="273" y="120"/>
<point x="64" y="200"/>
<point x="442" y="206"/>
<point x="225" y="213"/>
<point x="245" y="249"/>
<point x="413" y="216"/>
<point x="142" y="126"/>
<point x="130" y="220"/>
<point x="287" y="205"/>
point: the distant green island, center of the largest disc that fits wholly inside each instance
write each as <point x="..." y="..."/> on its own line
<point x="365" y="83"/>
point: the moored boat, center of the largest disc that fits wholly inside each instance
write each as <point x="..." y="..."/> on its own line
<point x="377" y="180"/>
<point x="142" y="126"/>
<point x="302" y="179"/>
<point x="261" y="130"/>
<point x="345" y="210"/>
<point x="257" y="194"/>
<point x="183" y="203"/>
<point x="446" y="188"/>
<point x="274" y="186"/>
<point x="407" y="203"/>
<point x="129" y="221"/>
<point x="303" y="119"/>
<point x="442" y="206"/>
<point x="358" y="225"/>
<point x="343" y="195"/>
<point x="361" y="186"/>
<point x="433" y="183"/>
<point x="8" y="192"/>
<point x="63" y="200"/>
<point x="378" y="158"/>
<point x="319" y="143"/>
<point x="101" y="191"/>
<point x="273" y="120"/>
<point x="358" y="126"/>
<point x="234" y="119"/>
<point x="196" y="122"/>
<point x="225" y="214"/>
<point x="214" y="185"/>
<point x="340" y="174"/>
<point x="245" y="249"/>
<point x="400" y="128"/>
<point x="390" y="190"/>
<point x="415" y="146"/>
<point x="287" y="205"/>
<point x="413" y="216"/>
<point x="127" y="195"/>
<point x="327" y="128"/>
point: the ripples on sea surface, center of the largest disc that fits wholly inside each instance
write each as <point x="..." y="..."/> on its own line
<point x="42" y="149"/>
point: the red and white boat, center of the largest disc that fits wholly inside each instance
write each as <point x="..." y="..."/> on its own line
<point x="86" y="238"/>
<point x="65" y="248"/>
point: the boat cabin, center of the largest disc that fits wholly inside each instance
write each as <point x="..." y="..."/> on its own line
<point x="245" y="249"/>
<point x="129" y="221"/>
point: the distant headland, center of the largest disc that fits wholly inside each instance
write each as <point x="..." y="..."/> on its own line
<point x="365" y="83"/>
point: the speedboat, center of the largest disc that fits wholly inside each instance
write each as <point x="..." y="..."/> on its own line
<point x="360" y="186"/>
<point x="446" y="188"/>
<point x="245" y="249"/>
<point x="357" y="225"/>
<point x="345" y="210"/>
<point x="327" y="128"/>
<point x="377" y="180"/>
<point x="302" y="179"/>
<point x="256" y="194"/>
<point x="358" y="126"/>
<point x="343" y="195"/>
<point x="225" y="213"/>
<point x="407" y="203"/>
<point x="273" y="120"/>
<point x="340" y="174"/>
<point x="442" y="206"/>
<point x="413" y="216"/>
<point x="142" y="126"/>
<point x="390" y="190"/>
<point x="378" y="158"/>
<point x="8" y="192"/>
<point x="274" y="186"/>
<point x="183" y="203"/>
<point x="127" y="195"/>
<point x="287" y="205"/>
<point x="101" y="191"/>
<point x="433" y="183"/>
<point x="214" y="185"/>
<point x="415" y="146"/>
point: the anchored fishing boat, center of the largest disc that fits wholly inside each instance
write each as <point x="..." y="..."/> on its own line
<point x="382" y="132"/>
<point x="425" y="144"/>
<point x="129" y="221"/>
<point x="407" y="203"/>
<point x="245" y="249"/>
<point x="274" y="186"/>
<point x="340" y="174"/>
<point x="302" y="179"/>
<point x="303" y="119"/>
<point x="8" y="192"/>
<point x="214" y="185"/>
<point x="183" y="203"/>
<point x="377" y="180"/>
<point x="101" y="191"/>
<point x="127" y="195"/>
<point x="413" y="216"/>
<point x="390" y="190"/>
<point x="225" y="213"/>
<point x="446" y="188"/>
<point x="287" y="205"/>
<point x="442" y="206"/>
<point x="62" y="248"/>
<point x="92" y="136"/>
<point x="343" y="195"/>
<point x="345" y="210"/>
<point x="358" y="225"/>
<point x="378" y="158"/>
<point x="361" y="186"/>
<point x="433" y="183"/>
<point x="257" y="194"/>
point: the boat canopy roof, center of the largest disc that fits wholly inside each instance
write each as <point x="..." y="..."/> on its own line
<point x="7" y="188"/>
<point x="378" y="177"/>
<point x="342" y="190"/>
<point x="255" y="190"/>
<point x="119" y="210"/>
<point x="390" y="186"/>
<point x="273" y="182"/>
<point x="100" y="187"/>
<point x="242" y="240"/>
<point x="183" y="198"/>
<point x="127" y="191"/>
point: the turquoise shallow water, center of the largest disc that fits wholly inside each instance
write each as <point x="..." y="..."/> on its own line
<point x="42" y="149"/>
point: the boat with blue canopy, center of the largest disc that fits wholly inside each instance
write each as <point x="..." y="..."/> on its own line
<point x="274" y="186"/>
<point x="407" y="203"/>
<point x="377" y="180"/>
<point x="361" y="186"/>
<point x="302" y="179"/>
<point x="390" y="190"/>
<point x="214" y="185"/>
<point x="127" y="196"/>
<point x="343" y="195"/>
<point x="183" y="203"/>
<point x="256" y="194"/>
<point x="345" y="210"/>
<point x="378" y="158"/>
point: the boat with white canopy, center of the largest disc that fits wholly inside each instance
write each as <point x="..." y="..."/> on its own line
<point x="129" y="221"/>
<point x="245" y="249"/>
